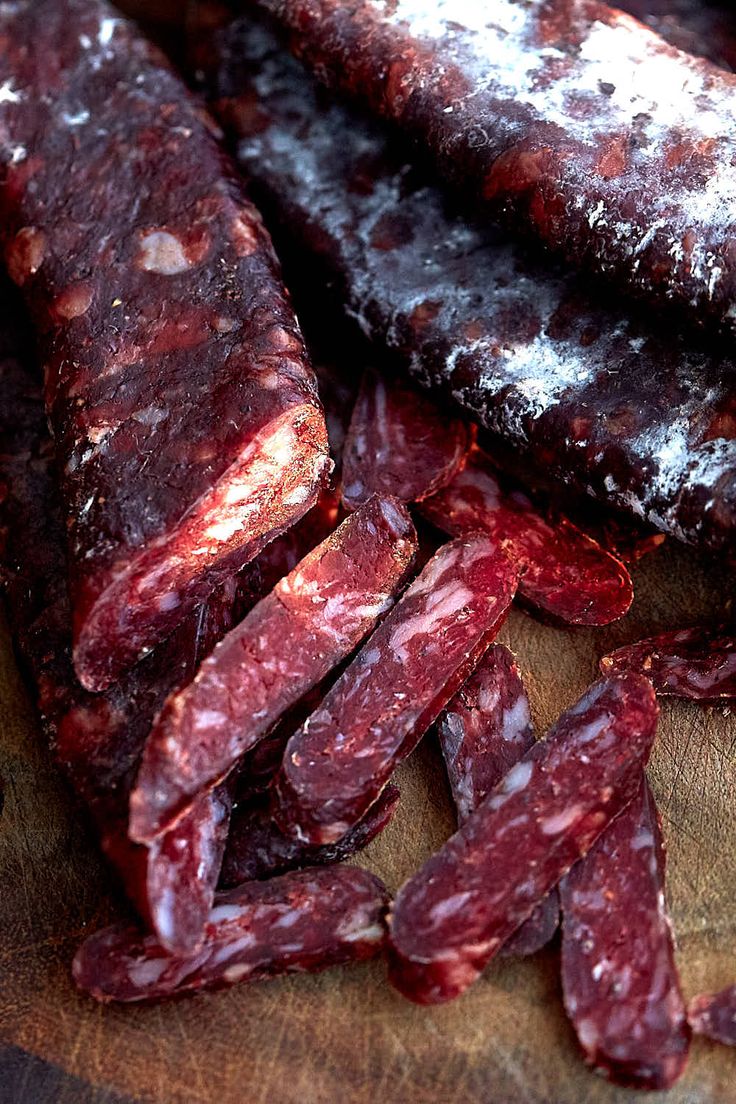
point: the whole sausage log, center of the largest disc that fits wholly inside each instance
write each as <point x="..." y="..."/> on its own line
<point x="573" y="120"/>
<point x="612" y="405"/>
<point x="184" y="411"/>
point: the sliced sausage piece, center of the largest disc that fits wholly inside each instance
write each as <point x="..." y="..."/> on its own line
<point x="566" y="574"/>
<point x="302" y="922"/>
<point x="454" y="914"/>
<point x="697" y="663"/>
<point x="399" y="443"/>
<point x="172" y="883"/>
<point x="573" y="120"/>
<point x="336" y="765"/>
<point x="97" y="738"/>
<point x="184" y="411"/>
<point x="619" y="977"/>
<point x="714" y="1015"/>
<point x="602" y="400"/>
<point x="257" y="848"/>
<point x="286" y="645"/>
<point x="483" y="732"/>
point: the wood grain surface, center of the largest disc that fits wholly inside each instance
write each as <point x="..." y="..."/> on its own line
<point x="345" y="1036"/>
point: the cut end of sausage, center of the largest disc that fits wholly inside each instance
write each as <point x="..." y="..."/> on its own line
<point x="274" y="481"/>
<point x="568" y="576"/>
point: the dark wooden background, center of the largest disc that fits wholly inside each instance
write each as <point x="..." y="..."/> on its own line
<point x="345" y="1036"/>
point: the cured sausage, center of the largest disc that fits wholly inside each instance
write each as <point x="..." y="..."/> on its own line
<point x="708" y="30"/>
<point x="485" y="729"/>
<point x="566" y="573"/>
<point x="619" y="977"/>
<point x="399" y="443"/>
<point x="483" y="732"/>
<point x="286" y="645"/>
<point x="256" y="848"/>
<point x="97" y="738"/>
<point x="302" y="922"/>
<point x="714" y="1015"/>
<point x="454" y="914"/>
<point x="601" y="402"/>
<point x="697" y="663"/>
<point x="336" y="765"/>
<point x="574" y="121"/>
<point x="183" y="407"/>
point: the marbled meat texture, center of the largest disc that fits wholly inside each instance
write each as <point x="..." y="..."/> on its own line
<point x="183" y="407"/>
<point x="483" y="732"/>
<point x="455" y="913"/>
<point x="607" y="403"/>
<point x="97" y="738"/>
<point x="289" y="642"/>
<point x="336" y="765"/>
<point x="577" y="123"/>
<point x="257" y="848"/>
<point x="566" y="574"/>
<point x="400" y="443"/>
<point x="619" y="977"/>
<point x="697" y="663"/>
<point x="714" y="1015"/>
<point x="302" y="922"/>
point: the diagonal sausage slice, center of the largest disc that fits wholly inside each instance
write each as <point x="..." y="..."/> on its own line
<point x="287" y="644"/>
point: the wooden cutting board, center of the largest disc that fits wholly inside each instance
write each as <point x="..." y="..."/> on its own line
<point x="345" y="1036"/>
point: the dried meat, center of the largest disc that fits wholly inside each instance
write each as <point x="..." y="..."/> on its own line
<point x="302" y="922"/>
<point x="336" y="765"/>
<point x="706" y="29"/>
<point x="604" y="403"/>
<point x="577" y="123"/>
<point x="455" y="913"/>
<point x="399" y="443"/>
<point x="257" y="848"/>
<point x="483" y="732"/>
<point x="97" y="738"/>
<point x="714" y="1015"/>
<point x="619" y="977"/>
<point x="697" y="663"/>
<point x="286" y="645"/>
<point x="566" y="574"/>
<point x="183" y="407"/>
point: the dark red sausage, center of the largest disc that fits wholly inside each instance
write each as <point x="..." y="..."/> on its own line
<point x="337" y="763"/>
<point x="184" y="410"/>
<point x="483" y="732"/>
<point x="697" y="663"/>
<point x="714" y="1015"/>
<point x="286" y="645"/>
<point x="566" y="573"/>
<point x="454" y="914"/>
<point x="257" y="848"/>
<point x="573" y="120"/>
<point x="619" y="976"/>
<point x="299" y="923"/>
<point x="97" y="738"/>
<point x="399" y="443"/>
<point x="599" y="400"/>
